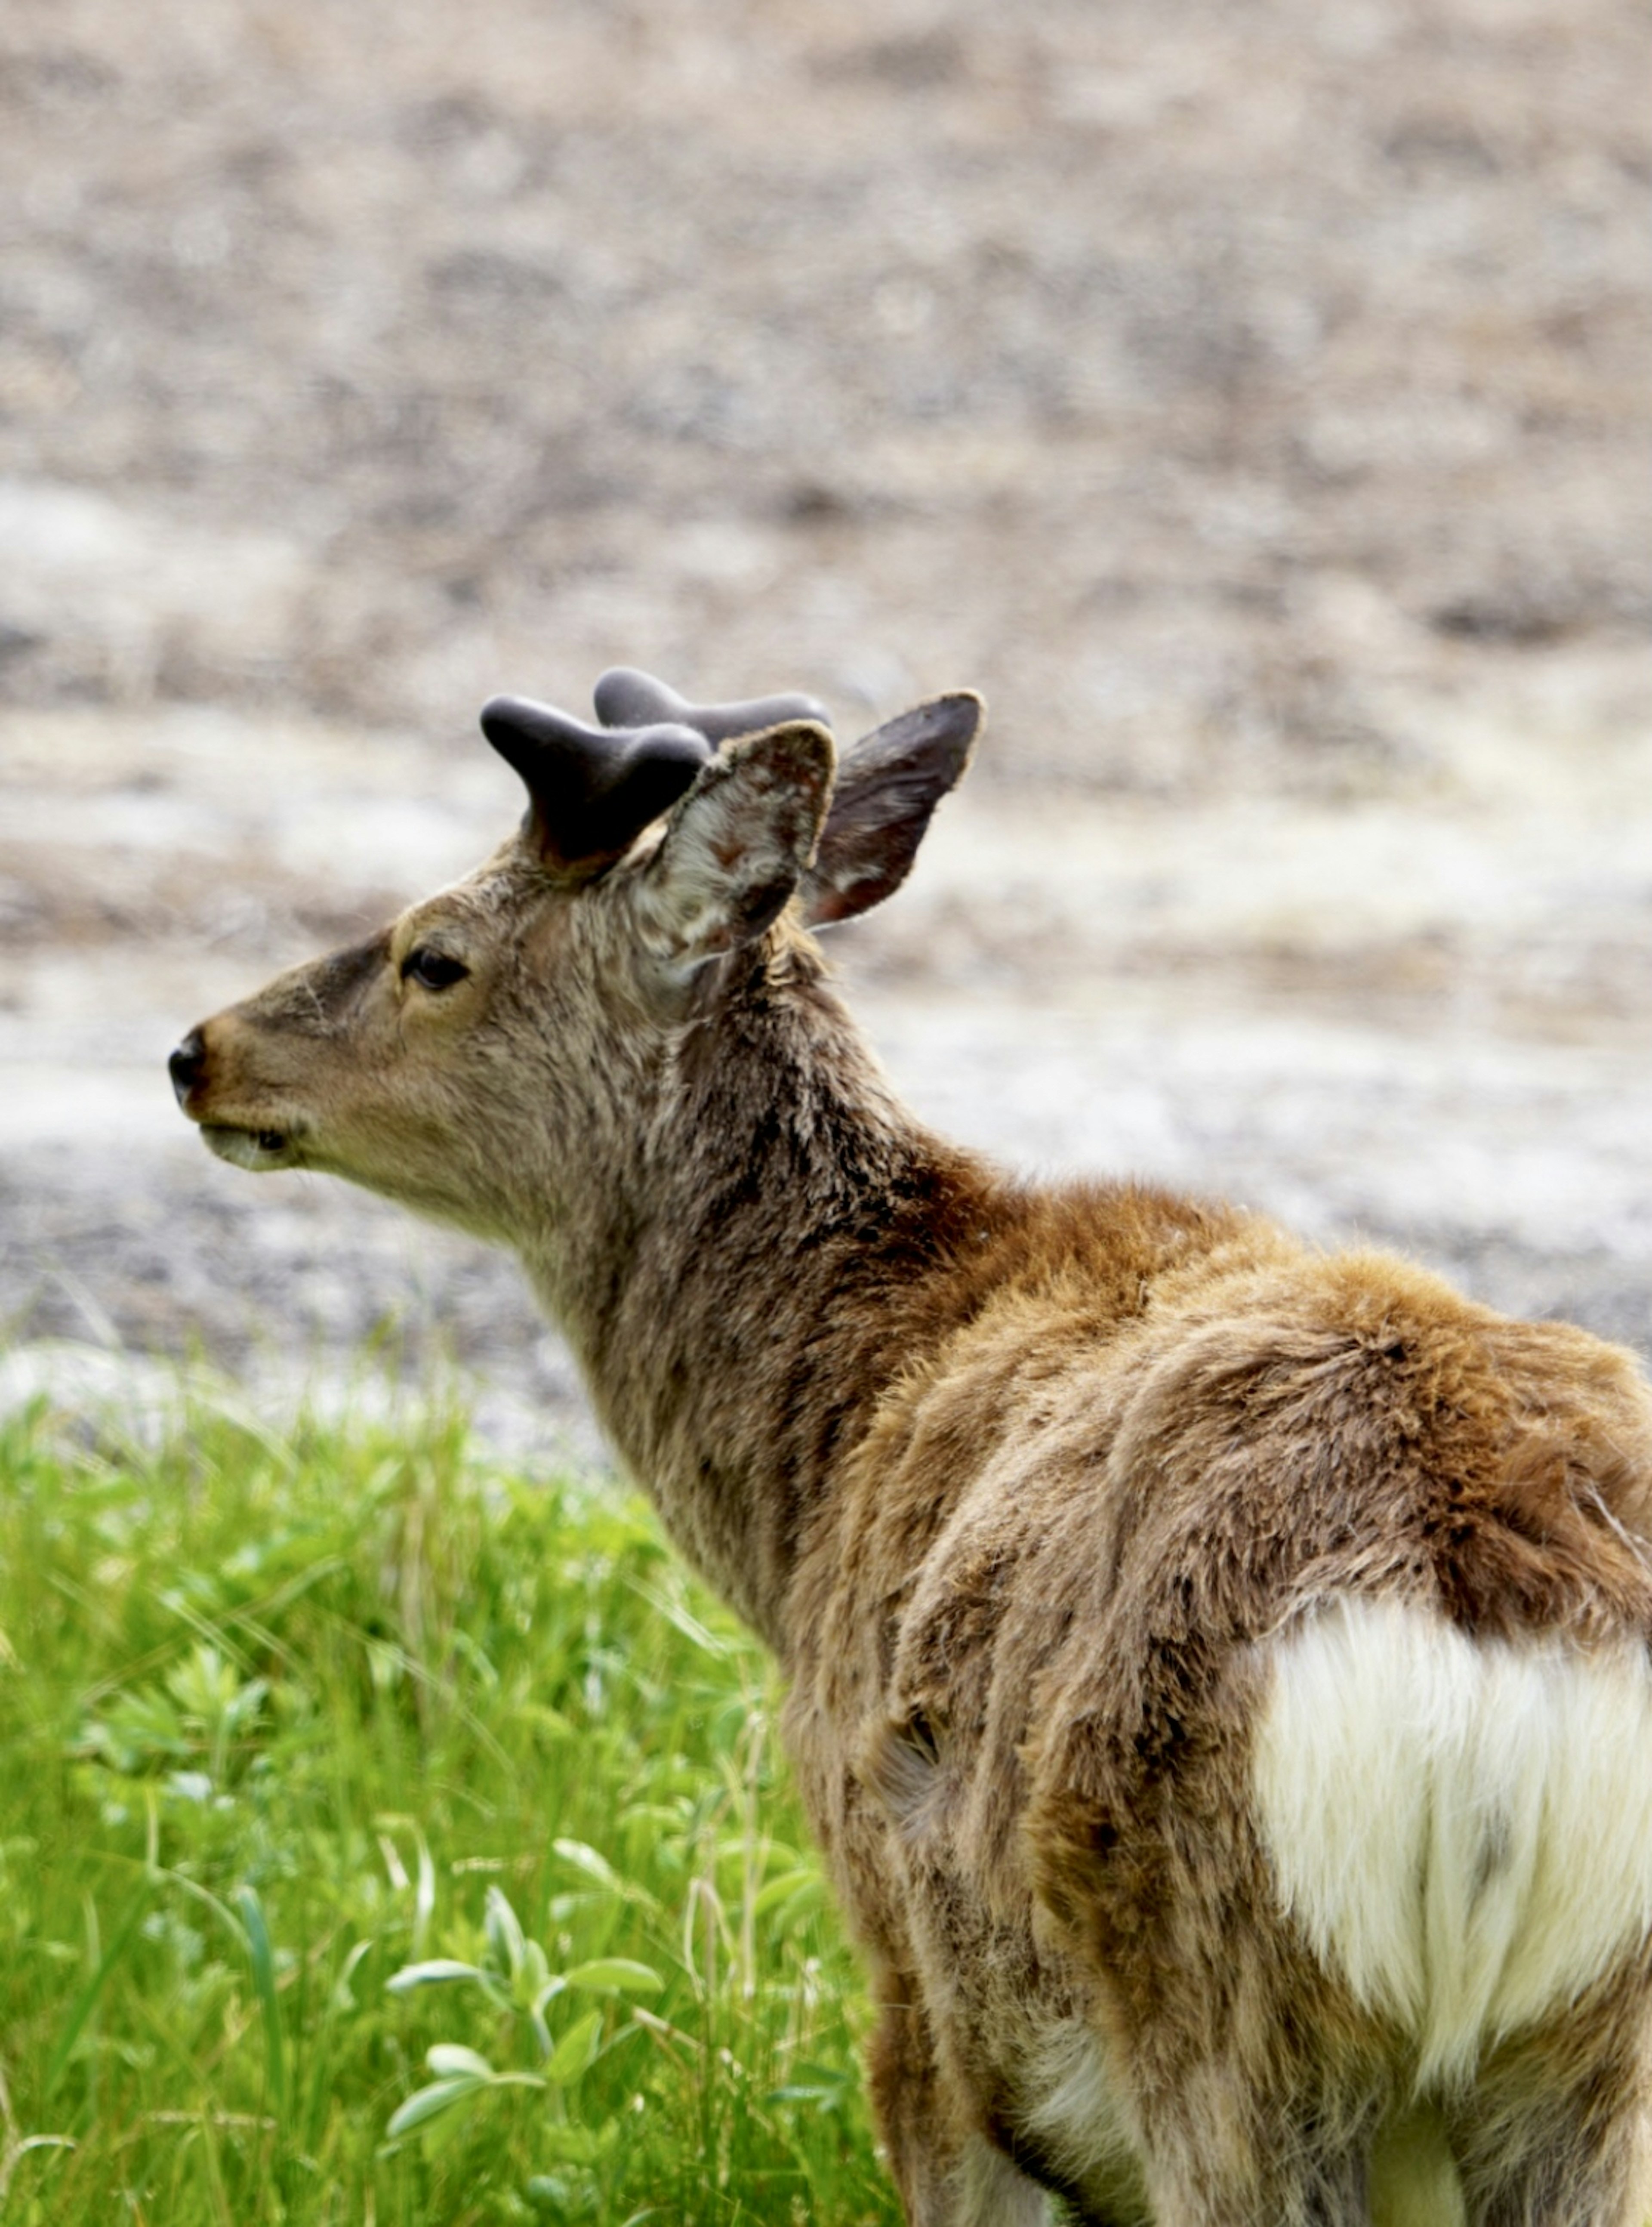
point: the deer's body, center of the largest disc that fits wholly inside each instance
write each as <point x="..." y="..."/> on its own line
<point x="1219" y="1673"/>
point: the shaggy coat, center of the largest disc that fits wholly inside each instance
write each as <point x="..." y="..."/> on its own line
<point x="1219" y="1672"/>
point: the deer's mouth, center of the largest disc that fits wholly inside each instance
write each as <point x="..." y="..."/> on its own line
<point x="257" y="1149"/>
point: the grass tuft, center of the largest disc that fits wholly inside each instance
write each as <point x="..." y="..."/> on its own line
<point x="386" y="1839"/>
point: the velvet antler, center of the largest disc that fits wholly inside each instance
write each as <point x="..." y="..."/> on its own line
<point x="626" y="697"/>
<point x="592" y="790"/>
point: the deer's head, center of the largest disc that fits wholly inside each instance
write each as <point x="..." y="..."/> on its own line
<point x="495" y="1041"/>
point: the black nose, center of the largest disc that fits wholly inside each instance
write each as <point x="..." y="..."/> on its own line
<point x="186" y="1064"/>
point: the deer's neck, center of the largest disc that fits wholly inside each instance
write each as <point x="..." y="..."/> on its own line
<point x="771" y="1255"/>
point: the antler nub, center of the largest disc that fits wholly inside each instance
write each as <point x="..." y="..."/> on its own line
<point x="626" y="697"/>
<point x="593" y="789"/>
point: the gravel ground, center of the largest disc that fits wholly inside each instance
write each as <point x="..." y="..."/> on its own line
<point x="1251" y="398"/>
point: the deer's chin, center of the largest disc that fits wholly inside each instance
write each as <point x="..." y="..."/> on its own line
<point x="256" y="1149"/>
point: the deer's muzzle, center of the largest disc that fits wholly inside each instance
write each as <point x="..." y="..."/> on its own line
<point x="244" y="1144"/>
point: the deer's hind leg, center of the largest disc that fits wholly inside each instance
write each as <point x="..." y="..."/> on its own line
<point x="947" y="2174"/>
<point x="1255" y="2087"/>
<point x="1556" y="2131"/>
<point x="1560" y="2163"/>
<point x="1218" y="2158"/>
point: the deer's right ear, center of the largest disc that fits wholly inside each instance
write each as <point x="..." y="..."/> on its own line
<point x="887" y="787"/>
<point x="738" y="843"/>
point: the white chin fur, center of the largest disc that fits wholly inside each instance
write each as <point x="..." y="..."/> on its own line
<point x="1462" y="1829"/>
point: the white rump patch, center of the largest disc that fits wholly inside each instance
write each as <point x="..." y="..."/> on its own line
<point x="1462" y="1829"/>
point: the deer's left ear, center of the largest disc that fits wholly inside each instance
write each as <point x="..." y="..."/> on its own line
<point x="887" y="788"/>
<point x="736" y="847"/>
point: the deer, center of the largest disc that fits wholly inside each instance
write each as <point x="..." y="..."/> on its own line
<point x="1217" y="1667"/>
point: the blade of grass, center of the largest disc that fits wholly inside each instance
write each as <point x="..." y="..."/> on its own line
<point x="86" y="2002"/>
<point x="261" y="1956"/>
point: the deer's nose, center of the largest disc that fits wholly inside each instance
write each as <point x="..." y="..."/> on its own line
<point x="187" y="1065"/>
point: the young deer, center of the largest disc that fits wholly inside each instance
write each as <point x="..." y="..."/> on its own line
<point x="1219" y="1672"/>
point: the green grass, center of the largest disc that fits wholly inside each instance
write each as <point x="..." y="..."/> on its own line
<point x="385" y="1839"/>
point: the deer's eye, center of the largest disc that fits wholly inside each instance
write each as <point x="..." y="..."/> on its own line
<point x="432" y="970"/>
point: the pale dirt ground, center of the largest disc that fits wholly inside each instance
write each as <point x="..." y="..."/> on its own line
<point x="1252" y="400"/>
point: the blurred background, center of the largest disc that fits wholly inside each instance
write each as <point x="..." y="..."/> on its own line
<point x="1251" y="398"/>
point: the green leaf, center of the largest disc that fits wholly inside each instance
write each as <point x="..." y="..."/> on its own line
<point x="451" y="2060"/>
<point x="826" y="2085"/>
<point x="343" y="1997"/>
<point x="261" y="1956"/>
<point x="782" y="1889"/>
<point x="801" y="1906"/>
<point x="614" y="1976"/>
<point x="423" y="1897"/>
<point x="433" y="1973"/>
<point x="427" y="2103"/>
<point x="574" y="2052"/>
<point x="585" y="1858"/>
<point x="532" y="1978"/>
<point x="505" y="1936"/>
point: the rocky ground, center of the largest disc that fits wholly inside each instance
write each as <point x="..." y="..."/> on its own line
<point x="1250" y="399"/>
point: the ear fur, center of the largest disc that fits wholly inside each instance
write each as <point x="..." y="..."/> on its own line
<point x="737" y="844"/>
<point x="887" y="788"/>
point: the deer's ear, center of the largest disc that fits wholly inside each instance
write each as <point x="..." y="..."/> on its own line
<point x="887" y="788"/>
<point x="737" y="844"/>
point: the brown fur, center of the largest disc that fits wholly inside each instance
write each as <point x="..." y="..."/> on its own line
<point x="1020" y="1485"/>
